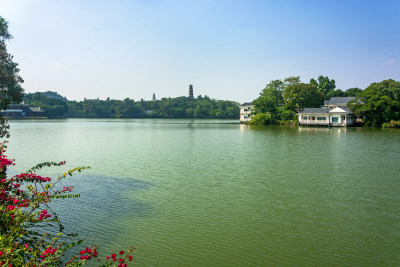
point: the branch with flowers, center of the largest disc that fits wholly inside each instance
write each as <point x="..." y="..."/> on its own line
<point x="24" y="206"/>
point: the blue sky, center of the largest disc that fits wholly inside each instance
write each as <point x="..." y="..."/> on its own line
<point x="226" y="49"/>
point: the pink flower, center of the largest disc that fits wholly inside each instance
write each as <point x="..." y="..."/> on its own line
<point x="44" y="214"/>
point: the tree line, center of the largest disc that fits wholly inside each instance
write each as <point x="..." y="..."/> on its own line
<point x="56" y="106"/>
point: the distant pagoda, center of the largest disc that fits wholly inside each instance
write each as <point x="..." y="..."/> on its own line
<point x="190" y="91"/>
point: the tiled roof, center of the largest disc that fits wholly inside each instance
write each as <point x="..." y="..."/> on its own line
<point x="247" y="104"/>
<point x="345" y="109"/>
<point x="339" y="100"/>
<point x="322" y="110"/>
<point x="316" y="110"/>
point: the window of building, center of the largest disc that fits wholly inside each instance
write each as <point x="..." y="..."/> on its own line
<point x="335" y="119"/>
<point x="321" y="118"/>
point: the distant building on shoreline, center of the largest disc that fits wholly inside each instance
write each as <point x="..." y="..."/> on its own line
<point x="246" y="110"/>
<point x="334" y="112"/>
<point x="22" y="111"/>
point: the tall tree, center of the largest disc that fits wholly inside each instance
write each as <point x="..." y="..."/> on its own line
<point x="10" y="89"/>
<point x="353" y="91"/>
<point x="292" y="80"/>
<point x="302" y="95"/>
<point x="270" y="97"/>
<point x="324" y="85"/>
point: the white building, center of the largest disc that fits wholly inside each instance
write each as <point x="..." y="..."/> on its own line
<point x="326" y="116"/>
<point x="334" y="112"/>
<point x="245" y="112"/>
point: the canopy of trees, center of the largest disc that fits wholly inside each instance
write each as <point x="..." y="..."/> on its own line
<point x="379" y="103"/>
<point x="179" y="107"/>
<point x="281" y="100"/>
<point x="325" y="86"/>
<point x="55" y="106"/>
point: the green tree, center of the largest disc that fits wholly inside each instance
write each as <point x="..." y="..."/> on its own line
<point x="10" y="89"/>
<point x="352" y="91"/>
<point x="286" y="115"/>
<point x="270" y="97"/>
<point x="324" y="85"/>
<point x="302" y="95"/>
<point x="379" y="103"/>
<point x="262" y="119"/>
<point x="54" y="107"/>
<point x="337" y="93"/>
<point x="292" y="80"/>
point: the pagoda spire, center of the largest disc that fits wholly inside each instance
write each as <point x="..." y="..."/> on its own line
<point x="190" y="91"/>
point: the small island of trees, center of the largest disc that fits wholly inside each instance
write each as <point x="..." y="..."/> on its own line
<point x="280" y="101"/>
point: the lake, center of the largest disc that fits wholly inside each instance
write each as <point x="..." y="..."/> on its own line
<point x="217" y="193"/>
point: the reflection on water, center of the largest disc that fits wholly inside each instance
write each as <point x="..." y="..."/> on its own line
<point x="219" y="193"/>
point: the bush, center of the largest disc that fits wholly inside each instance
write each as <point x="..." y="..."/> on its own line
<point x="24" y="207"/>
<point x="261" y="119"/>
<point x="286" y="114"/>
<point x="392" y="124"/>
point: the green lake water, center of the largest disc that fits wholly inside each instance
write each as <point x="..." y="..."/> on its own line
<point x="217" y="193"/>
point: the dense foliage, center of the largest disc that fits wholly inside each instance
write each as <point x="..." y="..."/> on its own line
<point x="10" y="88"/>
<point x="302" y="95"/>
<point x="379" y="103"/>
<point x="262" y="119"/>
<point x="179" y="107"/>
<point x="55" y="107"/>
<point x="391" y="124"/>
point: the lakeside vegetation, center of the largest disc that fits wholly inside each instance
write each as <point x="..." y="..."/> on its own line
<point x="56" y="106"/>
<point x="280" y="101"/>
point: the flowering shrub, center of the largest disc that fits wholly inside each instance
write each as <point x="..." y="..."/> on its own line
<point x="24" y="205"/>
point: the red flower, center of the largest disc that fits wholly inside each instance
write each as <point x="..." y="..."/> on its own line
<point x="121" y="252"/>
